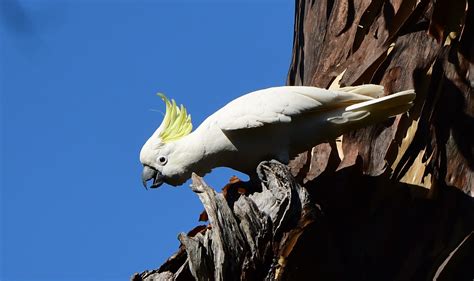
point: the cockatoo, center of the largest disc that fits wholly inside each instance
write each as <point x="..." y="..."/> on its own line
<point x="274" y="123"/>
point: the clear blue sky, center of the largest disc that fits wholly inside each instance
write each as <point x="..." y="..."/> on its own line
<point x="77" y="83"/>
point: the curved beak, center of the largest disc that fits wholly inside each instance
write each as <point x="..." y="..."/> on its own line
<point x="150" y="173"/>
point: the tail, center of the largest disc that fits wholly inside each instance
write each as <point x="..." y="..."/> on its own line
<point x="374" y="110"/>
<point x="388" y="105"/>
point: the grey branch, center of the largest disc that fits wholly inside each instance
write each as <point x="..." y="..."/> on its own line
<point x="248" y="239"/>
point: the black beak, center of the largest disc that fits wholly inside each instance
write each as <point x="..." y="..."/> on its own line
<point x="150" y="173"/>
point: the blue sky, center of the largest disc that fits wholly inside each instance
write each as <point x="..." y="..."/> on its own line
<point x="77" y="83"/>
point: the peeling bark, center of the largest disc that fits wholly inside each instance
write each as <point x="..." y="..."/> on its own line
<point x="399" y="44"/>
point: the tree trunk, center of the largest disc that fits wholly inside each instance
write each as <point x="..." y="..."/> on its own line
<point x="388" y="202"/>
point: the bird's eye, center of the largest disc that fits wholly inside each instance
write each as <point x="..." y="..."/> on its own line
<point x="162" y="160"/>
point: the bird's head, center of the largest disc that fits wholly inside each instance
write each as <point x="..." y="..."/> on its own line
<point x="161" y="156"/>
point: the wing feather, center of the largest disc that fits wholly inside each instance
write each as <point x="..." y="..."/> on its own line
<point x="280" y="104"/>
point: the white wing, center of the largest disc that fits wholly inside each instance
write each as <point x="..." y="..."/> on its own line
<point x="280" y="104"/>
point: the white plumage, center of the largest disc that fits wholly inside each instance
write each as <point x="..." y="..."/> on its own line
<point x="274" y="123"/>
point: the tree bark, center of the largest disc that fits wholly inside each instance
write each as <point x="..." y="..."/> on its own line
<point x="391" y="201"/>
<point x="400" y="45"/>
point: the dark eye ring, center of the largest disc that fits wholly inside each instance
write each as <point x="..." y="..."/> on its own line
<point x="162" y="160"/>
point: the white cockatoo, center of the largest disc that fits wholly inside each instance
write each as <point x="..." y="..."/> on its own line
<point x="274" y="123"/>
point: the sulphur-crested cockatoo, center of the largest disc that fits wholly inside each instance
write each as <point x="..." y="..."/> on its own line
<point x="275" y="123"/>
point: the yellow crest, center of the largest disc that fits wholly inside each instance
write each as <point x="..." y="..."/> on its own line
<point x="176" y="123"/>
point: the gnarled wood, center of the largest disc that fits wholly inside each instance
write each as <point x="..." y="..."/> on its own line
<point x="249" y="240"/>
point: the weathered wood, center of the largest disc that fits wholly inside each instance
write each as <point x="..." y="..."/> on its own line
<point x="249" y="240"/>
